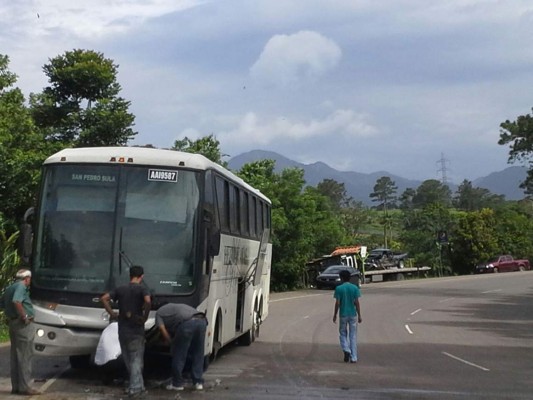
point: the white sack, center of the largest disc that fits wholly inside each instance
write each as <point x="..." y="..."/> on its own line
<point x="108" y="348"/>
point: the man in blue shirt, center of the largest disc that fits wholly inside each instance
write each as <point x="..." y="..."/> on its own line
<point x="19" y="312"/>
<point x="183" y="327"/>
<point x="347" y="306"/>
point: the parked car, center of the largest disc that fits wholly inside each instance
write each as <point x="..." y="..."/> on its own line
<point x="330" y="279"/>
<point x="505" y="263"/>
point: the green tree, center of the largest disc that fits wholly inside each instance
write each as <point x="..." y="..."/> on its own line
<point x="326" y="225"/>
<point x="334" y="191"/>
<point x="519" y="136"/>
<point x="419" y="236"/>
<point x="353" y="215"/>
<point x="208" y="146"/>
<point x="385" y="193"/>
<point x="82" y="107"/>
<point x="260" y="174"/>
<point x="514" y="230"/>
<point x="474" y="240"/>
<point x="432" y="191"/>
<point x="22" y="149"/>
<point x="469" y="198"/>
<point x="406" y="199"/>
<point x="9" y="258"/>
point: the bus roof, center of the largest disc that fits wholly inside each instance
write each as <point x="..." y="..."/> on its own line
<point x="144" y="156"/>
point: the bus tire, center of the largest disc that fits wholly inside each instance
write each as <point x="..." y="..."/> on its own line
<point x="217" y="344"/>
<point x="249" y="337"/>
<point x="80" y="362"/>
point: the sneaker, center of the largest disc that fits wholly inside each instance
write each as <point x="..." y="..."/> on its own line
<point x="198" y="386"/>
<point x="353" y="361"/>
<point x="176" y="388"/>
<point x="346" y="356"/>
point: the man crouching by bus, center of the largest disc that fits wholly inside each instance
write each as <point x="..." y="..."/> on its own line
<point x="183" y="327"/>
<point x="134" y="306"/>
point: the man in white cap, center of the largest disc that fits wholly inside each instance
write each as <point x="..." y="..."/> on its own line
<point x="19" y="311"/>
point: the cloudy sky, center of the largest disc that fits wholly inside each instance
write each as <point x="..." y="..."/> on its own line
<point x="362" y="85"/>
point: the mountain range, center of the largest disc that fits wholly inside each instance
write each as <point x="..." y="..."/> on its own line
<point x="359" y="185"/>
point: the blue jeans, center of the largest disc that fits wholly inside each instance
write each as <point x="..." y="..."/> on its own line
<point x="189" y="340"/>
<point x="132" y="348"/>
<point x="348" y="336"/>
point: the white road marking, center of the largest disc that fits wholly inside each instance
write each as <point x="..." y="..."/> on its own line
<point x="465" y="362"/>
<point x="448" y="299"/>
<point x="295" y="297"/>
<point x="408" y="329"/>
<point x="416" y="311"/>
<point x="51" y="381"/>
<point x="491" y="291"/>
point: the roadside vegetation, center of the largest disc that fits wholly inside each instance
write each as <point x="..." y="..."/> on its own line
<point x="82" y="107"/>
<point x="9" y="262"/>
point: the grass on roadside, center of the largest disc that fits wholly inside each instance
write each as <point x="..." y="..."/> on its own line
<point x="4" y="334"/>
<point x="4" y="329"/>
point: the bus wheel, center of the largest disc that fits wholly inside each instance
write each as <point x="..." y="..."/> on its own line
<point x="217" y="344"/>
<point x="80" y="362"/>
<point x="249" y="337"/>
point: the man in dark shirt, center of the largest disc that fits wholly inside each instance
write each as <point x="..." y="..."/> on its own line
<point x="134" y="306"/>
<point x="184" y="328"/>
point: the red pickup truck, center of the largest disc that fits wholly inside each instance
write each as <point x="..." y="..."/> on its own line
<point x="504" y="263"/>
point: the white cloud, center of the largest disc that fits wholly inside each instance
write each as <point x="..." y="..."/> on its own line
<point x="86" y="18"/>
<point x="288" y="59"/>
<point x="32" y="31"/>
<point x="263" y="132"/>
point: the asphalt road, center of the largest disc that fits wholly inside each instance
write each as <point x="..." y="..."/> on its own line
<point x="449" y="338"/>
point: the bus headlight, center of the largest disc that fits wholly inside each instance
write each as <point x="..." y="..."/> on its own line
<point x="40" y="332"/>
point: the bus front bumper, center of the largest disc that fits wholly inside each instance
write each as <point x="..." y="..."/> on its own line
<point x="62" y="341"/>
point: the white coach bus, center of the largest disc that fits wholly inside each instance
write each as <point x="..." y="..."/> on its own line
<point x="200" y="233"/>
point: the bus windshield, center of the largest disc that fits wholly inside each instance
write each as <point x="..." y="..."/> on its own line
<point x="98" y="220"/>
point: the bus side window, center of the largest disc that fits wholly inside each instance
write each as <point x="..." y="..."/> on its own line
<point x="251" y="216"/>
<point x="222" y="196"/>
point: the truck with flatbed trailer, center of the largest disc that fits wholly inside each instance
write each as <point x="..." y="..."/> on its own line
<point x="384" y="264"/>
<point x="377" y="266"/>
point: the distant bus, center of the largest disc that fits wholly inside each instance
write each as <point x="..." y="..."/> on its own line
<point x="200" y="232"/>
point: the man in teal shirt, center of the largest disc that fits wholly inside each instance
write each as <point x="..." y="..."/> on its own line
<point x="19" y="311"/>
<point x="347" y="306"/>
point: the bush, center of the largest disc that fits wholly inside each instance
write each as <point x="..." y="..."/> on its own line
<point x="9" y="263"/>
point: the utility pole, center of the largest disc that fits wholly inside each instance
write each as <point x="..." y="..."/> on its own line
<point x="443" y="169"/>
